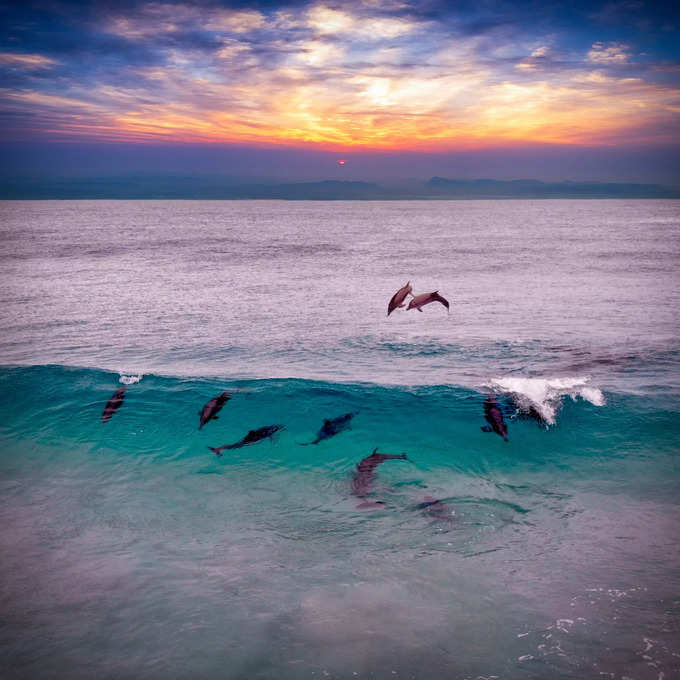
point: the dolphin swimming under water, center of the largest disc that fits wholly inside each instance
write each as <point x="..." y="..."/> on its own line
<point x="436" y="509"/>
<point x="422" y="299"/>
<point x="527" y="412"/>
<point x="365" y="474"/>
<point x="212" y="408"/>
<point x="113" y="404"/>
<point x="251" y="438"/>
<point x="332" y="427"/>
<point x="398" y="298"/>
<point x="494" y="416"/>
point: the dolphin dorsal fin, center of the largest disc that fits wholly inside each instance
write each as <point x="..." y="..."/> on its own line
<point x="375" y="450"/>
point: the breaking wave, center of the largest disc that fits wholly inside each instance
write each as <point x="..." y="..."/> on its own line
<point x="130" y="379"/>
<point x="545" y="394"/>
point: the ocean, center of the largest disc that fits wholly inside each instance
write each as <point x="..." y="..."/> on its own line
<point x="130" y="550"/>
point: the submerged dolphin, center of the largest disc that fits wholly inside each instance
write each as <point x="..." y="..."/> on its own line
<point x="419" y="301"/>
<point x="332" y="427"/>
<point x="365" y="472"/>
<point x="113" y="404"/>
<point x="436" y="509"/>
<point x="494" y="416"/>
<point x="252" y="437"/>
<point x="212" y="408"/>
<point x="399" y="297"/>
<point x="525" y="410"/>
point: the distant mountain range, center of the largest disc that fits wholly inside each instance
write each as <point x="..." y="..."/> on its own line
<point x="533" y="188"/>
<point x="216" y="188"/>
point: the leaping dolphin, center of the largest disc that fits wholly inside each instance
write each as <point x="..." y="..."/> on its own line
<point x="494" y="416"/>
<point x="113" y="404"/>
<point x="398" y="298"/>
<point x="251" y="438"/>
<point x="212" y="408"/>
<point x="332" y="427"/>
<point x="364" y="474"/>
<point x="419" y="301"/>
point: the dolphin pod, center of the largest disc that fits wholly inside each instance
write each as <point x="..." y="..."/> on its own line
<point x="251" y="438"/>
<point x="364" y="475"/>
<point x="331" y="427"/>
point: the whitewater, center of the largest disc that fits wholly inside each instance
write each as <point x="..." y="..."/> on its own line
<point x="129" y="549"/>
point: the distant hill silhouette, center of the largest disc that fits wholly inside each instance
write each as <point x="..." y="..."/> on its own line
<point x="533" y="188"/>
<point x="223" y="188"/>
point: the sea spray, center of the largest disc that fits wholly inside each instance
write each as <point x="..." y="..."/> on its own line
<point x="130" y="379"/>
<point x="545" y="394"/>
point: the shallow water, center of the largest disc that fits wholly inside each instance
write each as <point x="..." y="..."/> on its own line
<point x="130" y="550"/>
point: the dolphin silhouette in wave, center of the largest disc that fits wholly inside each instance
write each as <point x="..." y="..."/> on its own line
<point x="113" y="404"/>
<point x="212" y="408"/>
<point x="494" y="416"/>
<point x="251" y="438"/>
<point x="331" y="427"/>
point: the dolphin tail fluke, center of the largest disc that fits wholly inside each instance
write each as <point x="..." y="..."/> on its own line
<point x="216" y="451"/>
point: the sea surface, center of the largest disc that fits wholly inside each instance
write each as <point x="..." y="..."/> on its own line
<point x="128" y="549"/>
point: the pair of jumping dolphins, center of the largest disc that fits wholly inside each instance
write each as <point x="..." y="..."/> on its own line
<point x="417" y="301"/>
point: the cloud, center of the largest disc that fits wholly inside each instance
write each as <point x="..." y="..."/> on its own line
<point x="243" y="21"/>
<point x="27" y="62"/>
<point x="320" y="53"/>
<point x="358" y="75"/>
<point x="609" y="53"/>
<point x="538" y="57"/>
<point x="156" y="19"/>
<point x="326" y="21"/>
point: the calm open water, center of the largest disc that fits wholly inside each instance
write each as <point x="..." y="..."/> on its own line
<point x="129" y="550"/>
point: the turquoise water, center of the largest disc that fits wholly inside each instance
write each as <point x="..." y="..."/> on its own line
<point x="129" y="549"/>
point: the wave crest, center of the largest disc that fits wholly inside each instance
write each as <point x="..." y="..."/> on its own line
<point x="545" y="394"/>
<point x="130" y="379"/>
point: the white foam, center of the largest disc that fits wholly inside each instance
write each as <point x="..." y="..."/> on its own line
<point x="545" y="394"/>
<point x="130" y="379"/>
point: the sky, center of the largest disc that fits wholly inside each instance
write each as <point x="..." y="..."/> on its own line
<point x="485" y="88"/>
